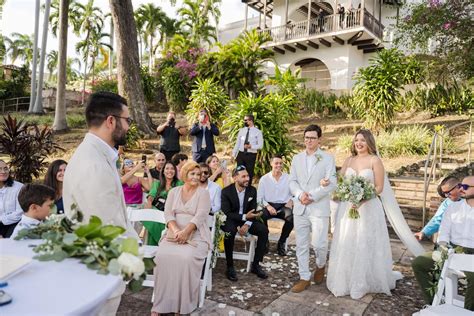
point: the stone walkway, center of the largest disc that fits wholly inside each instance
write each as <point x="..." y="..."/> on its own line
<point x="317" y="300"/>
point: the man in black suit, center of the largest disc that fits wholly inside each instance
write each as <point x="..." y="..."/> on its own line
<point x="239" y="204"/>
<point x="203" y="132"/>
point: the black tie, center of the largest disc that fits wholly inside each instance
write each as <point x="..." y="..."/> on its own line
<point x="246" y="139"/>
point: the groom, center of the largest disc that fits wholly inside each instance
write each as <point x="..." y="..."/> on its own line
<point x="312" y="179"/>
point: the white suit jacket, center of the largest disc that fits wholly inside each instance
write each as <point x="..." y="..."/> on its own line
<point x="92" y="182"/>
<point x="301" y="181"/>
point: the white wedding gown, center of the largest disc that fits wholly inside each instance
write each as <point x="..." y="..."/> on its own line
<point x="360" y="259"/>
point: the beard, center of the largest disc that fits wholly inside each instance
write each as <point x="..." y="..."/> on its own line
<point x="119" y="135"/>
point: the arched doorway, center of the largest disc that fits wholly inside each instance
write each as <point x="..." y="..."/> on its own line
<point x="315" y="72"/>
<point x="301" y="13"/>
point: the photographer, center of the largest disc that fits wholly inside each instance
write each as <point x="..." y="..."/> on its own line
<point x="169" y="142"/>
<point x="203" y="132"/>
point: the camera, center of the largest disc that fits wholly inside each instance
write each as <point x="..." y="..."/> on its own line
<point x="144" y="159"/>
<point x="171" y="122"/>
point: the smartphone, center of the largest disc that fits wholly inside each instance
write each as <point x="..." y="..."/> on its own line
<point x="224" y="164"/>
<point x="206" y="119"/>
<point x="144" y="159"/>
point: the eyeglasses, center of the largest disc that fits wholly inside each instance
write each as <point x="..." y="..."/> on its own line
<point x="205" y="172"/>
<point x="310" y="138"/>
<point x="128" y="119"/>
<point x="465" y="186"/>
<point x="448" y="193"/>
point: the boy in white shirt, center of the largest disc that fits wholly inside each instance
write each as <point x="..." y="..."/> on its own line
<point x="36" y="200"/>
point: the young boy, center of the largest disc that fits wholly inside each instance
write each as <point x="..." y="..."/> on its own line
<point x="36" y="201"/>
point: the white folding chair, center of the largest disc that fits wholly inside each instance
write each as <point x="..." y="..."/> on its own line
<point x="148" y="215"/>
<point x="247" y="256"/>
<point x="206" y="280"/>
<point x="448" y="284"/>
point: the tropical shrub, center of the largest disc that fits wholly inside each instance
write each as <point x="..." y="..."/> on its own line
<point x="346" y="104"/>
<point x="27" y="146"/>
<point x="105" y="84"/>
<point x="207" y="95"/>
<point x="238" y="65"/>
<point x="406" y="141"/>
<point x="76" y="120"/>
<point x="133" y="137"/>
<point x="285" y="82"/>
<point x="17" y="86"/>
<point x="318" y="102"/>
<point x="272" y="114"/>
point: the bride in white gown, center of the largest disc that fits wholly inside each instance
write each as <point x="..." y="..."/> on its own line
<point x="360" y="260"/>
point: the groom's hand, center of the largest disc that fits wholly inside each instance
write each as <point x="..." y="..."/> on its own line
<point x="305" y="198"/>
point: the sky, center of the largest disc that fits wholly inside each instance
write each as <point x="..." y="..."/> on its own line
<point x="18" y="16"/>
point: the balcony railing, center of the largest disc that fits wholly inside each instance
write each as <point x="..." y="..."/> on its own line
<point x="327" y="24"/>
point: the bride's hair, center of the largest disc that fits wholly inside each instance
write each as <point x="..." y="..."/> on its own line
<point x="369" y="139"/>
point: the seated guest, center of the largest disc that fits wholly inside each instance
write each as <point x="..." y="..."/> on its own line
<point x="450" y="189"/>
<point x="157" y="198"/>
<point x="10" y="209"/>
<point x="179" y="160"/>
<point x="156" y="172"/>
<point x="37" y="202"/>
<point x="133" y="186"/>
<point x="219" y="174"/>
<point x="182" y="251"/>
<point x="239" y="204"/>
<point x="274" y="194"/>
<point x="456" y="229"/>
<point x="54" y="179"/>
<point x="213" y="189"/>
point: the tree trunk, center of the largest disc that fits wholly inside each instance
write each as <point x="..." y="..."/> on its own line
<point x="150" y="61"/>
<point x="60" y="121"/>
<point x="35" y="58"/>
<point x="83" y="96"/>
<point x="128" y="68"/>
<point x="38" y="108"/>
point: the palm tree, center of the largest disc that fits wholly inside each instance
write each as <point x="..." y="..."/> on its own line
<point x="195" y="19"/>
<point x="96" y="47"/>
<point x="91" y="21"/>
<point x="52" y="63"/>
<point x="20" y="46"/>
<point x="3" y="49"/>
<point x="150" y="18"/>
<point x="73" y="17"/>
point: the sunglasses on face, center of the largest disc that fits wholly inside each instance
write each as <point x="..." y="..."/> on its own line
<point x="240" y="168"/>
<point x="448" y="193"/>
<point x="204" y="172"/>
<point x="465" y="186"/>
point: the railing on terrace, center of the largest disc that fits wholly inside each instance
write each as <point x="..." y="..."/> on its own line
<point x="15" y="104"/>
<point x="329" y="23"/>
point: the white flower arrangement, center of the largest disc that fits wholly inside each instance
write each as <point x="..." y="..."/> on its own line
<point x="354" y="190"/>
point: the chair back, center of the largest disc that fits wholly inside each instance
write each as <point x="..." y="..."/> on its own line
<point x="148" y="215"/>
<point x="461" y="262"/>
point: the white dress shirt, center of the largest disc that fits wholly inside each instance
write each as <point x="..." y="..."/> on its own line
<point x="25" y="222"/>
<point x="310" y="161"/>
<point x="457" y="225"/>
<point x="10" y="209"/>
<point x="255" y="140"/>
<point x="215" y="193"/>
<point x="241" y="196"/>
<point x="271" y="190"/>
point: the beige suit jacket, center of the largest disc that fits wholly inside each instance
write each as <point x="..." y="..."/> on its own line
<point x="92" y="182"/>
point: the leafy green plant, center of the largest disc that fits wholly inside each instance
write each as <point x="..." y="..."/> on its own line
<point x="210" y="96"/>
<point x="105" y="84"/>
<point x="17" y="86"/>
<point x="272" y="114"/>
<point x="76" y="121"/>
<point x="27" y="146"/>
<point x="286" y="82"/>
<point x="133" y="137"/>
<point x="318" y="102"/>
<point x="346" y="104"/>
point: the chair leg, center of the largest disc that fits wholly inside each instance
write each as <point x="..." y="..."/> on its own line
<point x="251" y="254"/>
<point x="153" y="297"/>
<point x="209" y="281"/>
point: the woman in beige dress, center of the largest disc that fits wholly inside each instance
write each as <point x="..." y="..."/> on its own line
<point x="182" y="251"/>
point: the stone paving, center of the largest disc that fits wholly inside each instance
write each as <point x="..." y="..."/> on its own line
<point x="317" y="300"/>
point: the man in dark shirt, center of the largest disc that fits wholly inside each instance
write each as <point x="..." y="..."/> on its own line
<point x="169" y="142"/>
<point x="160" y="161"/>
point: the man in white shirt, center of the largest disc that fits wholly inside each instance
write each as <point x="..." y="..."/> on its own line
<point x="213" y="188"/>
<point x="274" y="193"/>
<point x="457" y="229"/>
<point x="249" y="141"/>
<point x="92" y="181"/>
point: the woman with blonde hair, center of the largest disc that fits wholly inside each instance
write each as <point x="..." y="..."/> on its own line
<point x="361" y="257"/>
<point x="183" y="249"/>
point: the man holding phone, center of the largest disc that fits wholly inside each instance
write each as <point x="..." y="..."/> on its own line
<point x="203" y="132"/>
<point x="169" y="142"/>
<point x="239" y="204"/>
<point x="249" y="141"/>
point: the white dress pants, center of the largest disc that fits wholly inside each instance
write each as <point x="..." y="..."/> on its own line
<point x="310" y="231"/>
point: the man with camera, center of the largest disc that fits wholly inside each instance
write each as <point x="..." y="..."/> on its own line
<point x="169" y="142"/>
<point x="249" y="141"/>
<point x="239" y="204"/>
<point x="203" y="132"/>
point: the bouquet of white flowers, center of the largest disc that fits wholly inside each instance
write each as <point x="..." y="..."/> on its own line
<point x="354" y="189"/>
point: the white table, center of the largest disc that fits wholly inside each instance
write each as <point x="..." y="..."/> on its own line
<point x="54" y="288"/>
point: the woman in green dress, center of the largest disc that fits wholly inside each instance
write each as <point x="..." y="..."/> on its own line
<point x="157" y="197"/>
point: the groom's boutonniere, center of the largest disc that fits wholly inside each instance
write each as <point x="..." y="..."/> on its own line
<point x="318" y="157"/>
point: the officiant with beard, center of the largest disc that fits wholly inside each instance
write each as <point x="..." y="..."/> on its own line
<point x="91" y="180"/>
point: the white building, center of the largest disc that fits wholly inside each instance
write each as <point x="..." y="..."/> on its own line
<point x="327" y="48"/>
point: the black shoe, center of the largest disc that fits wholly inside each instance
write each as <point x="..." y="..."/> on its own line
<point x="281" y="249"/>
<point x="231" y="274"/>
<point x="257" y="269"/>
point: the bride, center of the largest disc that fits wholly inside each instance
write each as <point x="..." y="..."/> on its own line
<point x="360" y="260"/>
